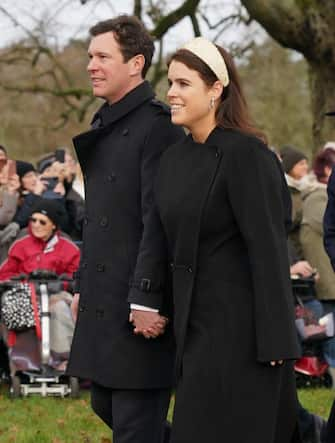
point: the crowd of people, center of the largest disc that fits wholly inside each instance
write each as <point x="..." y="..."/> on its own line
<point x="42" y="211"/>
<point x="308" y="258"/>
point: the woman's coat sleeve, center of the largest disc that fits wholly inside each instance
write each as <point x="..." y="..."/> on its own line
<point x="257" y="195"/>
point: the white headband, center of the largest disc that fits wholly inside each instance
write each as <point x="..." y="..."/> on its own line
<point x="209" y="54"/>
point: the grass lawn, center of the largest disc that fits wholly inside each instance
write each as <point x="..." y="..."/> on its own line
<point x="55" y="420"/>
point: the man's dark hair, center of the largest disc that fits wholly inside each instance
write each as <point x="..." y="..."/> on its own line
<point x="131" y="35"/>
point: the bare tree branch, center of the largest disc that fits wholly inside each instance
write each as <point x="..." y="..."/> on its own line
<point x="195" y="24"/>
<point x="138" y="8"/>
<point x="34" y="89"/>
<point x="188" y="8"/>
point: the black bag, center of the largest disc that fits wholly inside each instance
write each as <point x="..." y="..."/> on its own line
<point x="18" y="308"/>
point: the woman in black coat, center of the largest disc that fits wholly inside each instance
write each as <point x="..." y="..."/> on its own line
<point x="220" y="197"/>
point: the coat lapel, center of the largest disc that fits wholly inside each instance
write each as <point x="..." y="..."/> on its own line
<point x="186" y="202"/>
<point x="107" y="116"/>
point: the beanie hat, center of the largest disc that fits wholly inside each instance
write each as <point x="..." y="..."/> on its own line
<point x="45" y="162"/>
<point x="22" y="168"/>
<point x="50" y="208"/>
<point x="290" y="157"/>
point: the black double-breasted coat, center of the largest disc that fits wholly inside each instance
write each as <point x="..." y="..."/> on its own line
<point x="223" y="215"/>
<point x="118" y="157"/>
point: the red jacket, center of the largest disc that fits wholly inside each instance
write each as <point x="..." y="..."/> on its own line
<point x="30" y="253"/>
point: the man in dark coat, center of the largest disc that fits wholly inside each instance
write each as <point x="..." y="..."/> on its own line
<point x="131" y="376"/>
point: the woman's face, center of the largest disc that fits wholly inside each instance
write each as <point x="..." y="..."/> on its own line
<point x="29" y="181"/>
<point x="299" y="170"/>
<point x="189" y="97"/>
<point x="41" y="226"/>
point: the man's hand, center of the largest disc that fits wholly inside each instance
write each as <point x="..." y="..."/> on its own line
<point x="149" y="324"/>
<point x="74" y="306"/>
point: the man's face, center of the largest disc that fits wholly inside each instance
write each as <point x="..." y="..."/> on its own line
<point x="110" y="74"/>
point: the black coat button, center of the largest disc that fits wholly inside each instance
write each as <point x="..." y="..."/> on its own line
<point x="111" y="177"/>
<point x="100" y="313"/>
<point x="145" y="285"/>
<point x="82" y="308"/>
<point x="100" y="267"/>
<point x="217" y="153"/>
<point x="84" y="265"/>
<point x="85" y="221"/>
<point x="104" y="221"/>
<point x="189" y="269"/>
<point x="125" y="132"/>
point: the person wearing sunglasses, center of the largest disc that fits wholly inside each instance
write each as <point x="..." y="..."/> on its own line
<point x="44" y="247"/>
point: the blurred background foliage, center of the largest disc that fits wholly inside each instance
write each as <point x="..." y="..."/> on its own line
<point x="46" y="97"/>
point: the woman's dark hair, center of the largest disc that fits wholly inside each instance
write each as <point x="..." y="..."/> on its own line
<point x="3" y="149"/>
<point x="131" y="35"/>
<point x="325" y="158"/>
<point x="232" y="112"/>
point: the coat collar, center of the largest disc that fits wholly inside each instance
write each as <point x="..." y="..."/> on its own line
<point x="214" y="137"/>
<point x="108" y="114"/>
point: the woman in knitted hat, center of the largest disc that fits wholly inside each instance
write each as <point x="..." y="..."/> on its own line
<point x="43" y="247"/>
<point x="295" y="165"/>
<point x="220" y="197"/>
<point x="33" y="188"/>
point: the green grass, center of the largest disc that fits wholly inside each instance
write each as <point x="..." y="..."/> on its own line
<point x="55" y="420"/>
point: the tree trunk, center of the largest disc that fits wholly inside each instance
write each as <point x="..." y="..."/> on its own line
<point x="308" y="26"/>
<point x="322" y="86"/>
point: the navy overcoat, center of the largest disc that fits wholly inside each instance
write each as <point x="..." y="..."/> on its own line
<point x="119" y="157"/>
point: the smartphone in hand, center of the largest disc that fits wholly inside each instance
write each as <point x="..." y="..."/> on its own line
<point x="60" y="155"/>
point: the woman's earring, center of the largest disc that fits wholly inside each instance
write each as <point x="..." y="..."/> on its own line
<point x="212" y="103"/>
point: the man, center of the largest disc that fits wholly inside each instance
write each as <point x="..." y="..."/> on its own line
<point x="131" y="376"/>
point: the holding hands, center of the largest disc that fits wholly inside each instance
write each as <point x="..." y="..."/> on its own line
<point x="149" y="324"/>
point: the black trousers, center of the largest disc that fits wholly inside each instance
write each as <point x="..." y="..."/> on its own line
<point x="136" y="416"/>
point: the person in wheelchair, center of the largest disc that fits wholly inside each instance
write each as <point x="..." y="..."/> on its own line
<point x="43" y="247"/>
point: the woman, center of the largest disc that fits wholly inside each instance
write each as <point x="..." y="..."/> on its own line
<point x="296" y="167"/>
<point x="44" y="248"/>
<point x="221" y="198"/>
<point x="33" y="189"/>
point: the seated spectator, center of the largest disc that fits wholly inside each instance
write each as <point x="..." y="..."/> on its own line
<point x="44" y="248"/>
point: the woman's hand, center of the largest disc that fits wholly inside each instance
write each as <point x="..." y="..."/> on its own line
<point x="302" y="268"/>
<point x="40" y="187"/>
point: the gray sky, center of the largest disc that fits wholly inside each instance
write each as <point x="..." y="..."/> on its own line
<point x="64" y="19"/>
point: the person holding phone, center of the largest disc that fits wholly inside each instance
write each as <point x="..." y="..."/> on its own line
<point x="33" y="188"/>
